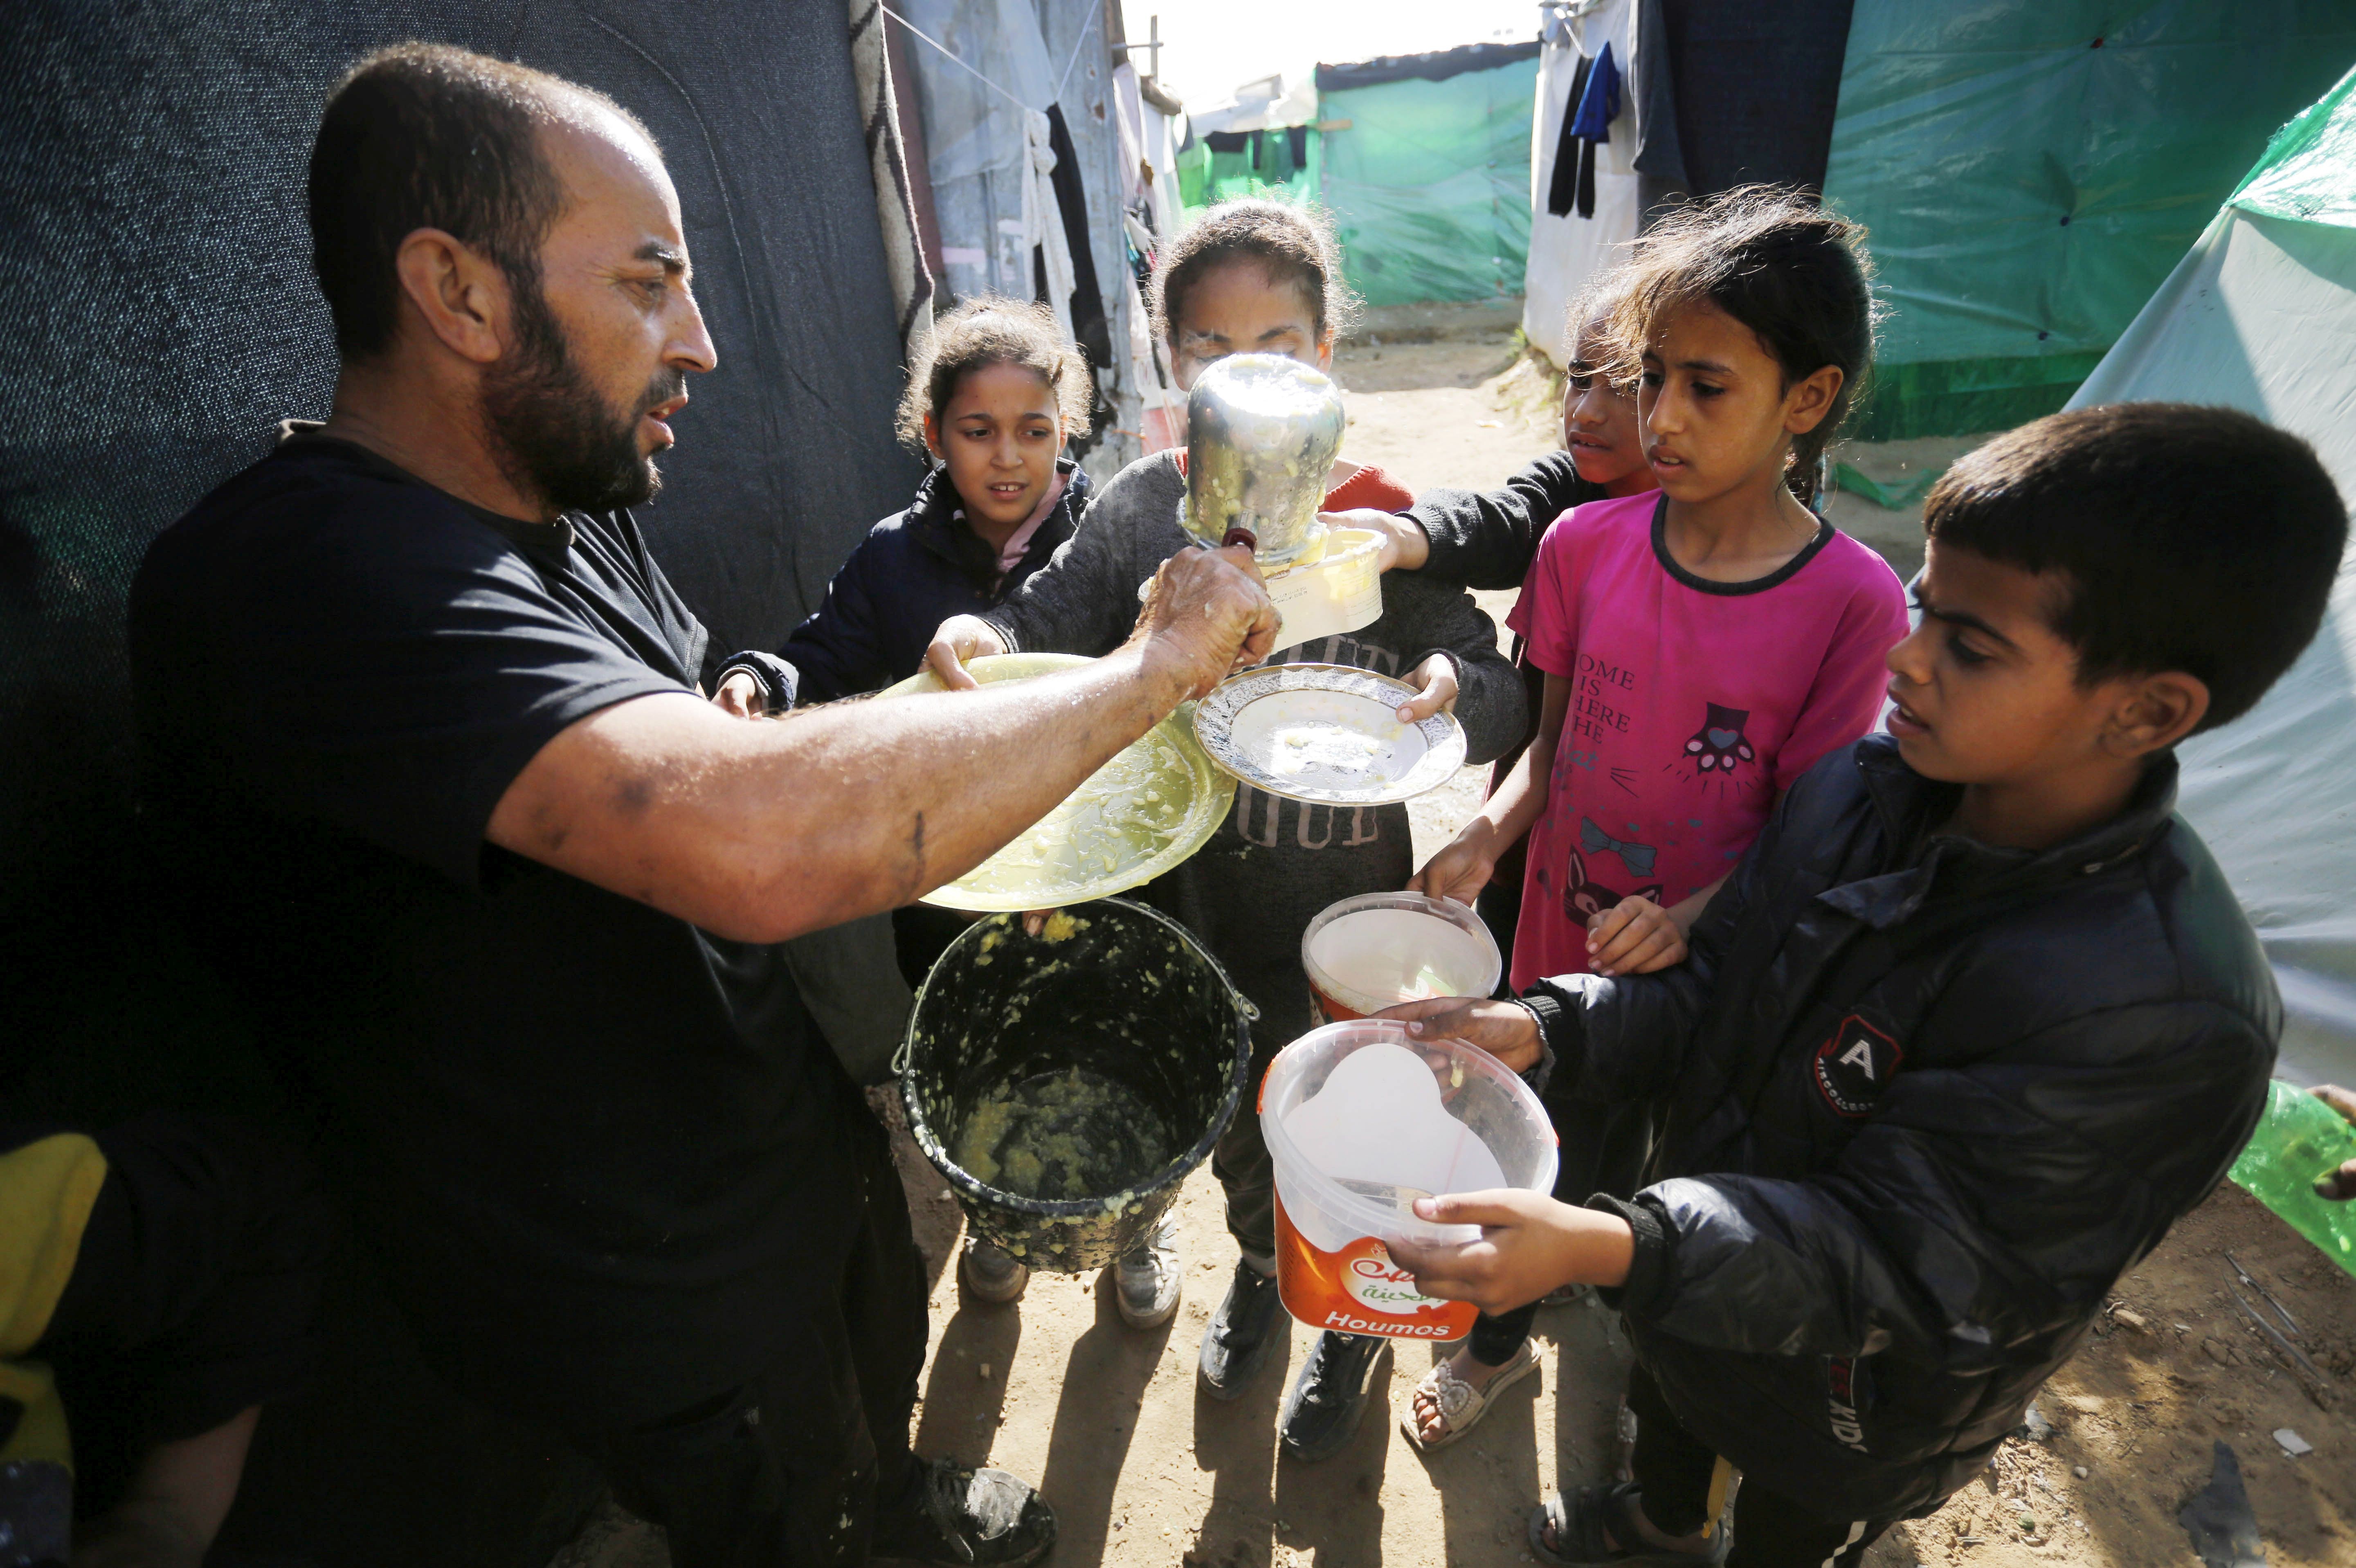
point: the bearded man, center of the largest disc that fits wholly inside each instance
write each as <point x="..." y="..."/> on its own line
<point x="420" y="719"/>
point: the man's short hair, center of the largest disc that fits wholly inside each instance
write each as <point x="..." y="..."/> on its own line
<point x="427" y="136"/>
<point x="2189" y="539"/>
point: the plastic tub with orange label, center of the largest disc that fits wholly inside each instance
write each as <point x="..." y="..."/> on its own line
<point x="1360" y="1123"/>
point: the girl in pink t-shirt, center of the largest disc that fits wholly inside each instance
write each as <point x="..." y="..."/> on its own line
<point x="1703" y="646"/>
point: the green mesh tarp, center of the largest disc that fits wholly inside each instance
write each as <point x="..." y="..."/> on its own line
<point x="1429" y="185"/>
<point x="2030" y="172"/>
<point x="2308" y="172"/>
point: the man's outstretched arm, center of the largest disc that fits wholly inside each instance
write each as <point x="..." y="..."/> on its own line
<point x="763" y="831"/>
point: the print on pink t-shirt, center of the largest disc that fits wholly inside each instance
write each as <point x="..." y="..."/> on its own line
<point x="1693" y="704"/>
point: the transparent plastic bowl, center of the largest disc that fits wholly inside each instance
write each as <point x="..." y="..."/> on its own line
<point x="1333" y="1266"/>
<point x="1337" y="1000"/>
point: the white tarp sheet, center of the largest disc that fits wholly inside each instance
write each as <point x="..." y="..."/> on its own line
<point x="1566" y="252"/>
<point x="2262" y="316"/>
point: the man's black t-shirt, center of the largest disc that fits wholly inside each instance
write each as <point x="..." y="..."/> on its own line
<point x="602" y="1150"/>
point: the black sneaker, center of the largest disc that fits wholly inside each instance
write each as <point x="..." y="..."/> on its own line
<point x="1329" y="1397"/>
<point x="1248" y="1325"/>
<point x="952" y="1516"/>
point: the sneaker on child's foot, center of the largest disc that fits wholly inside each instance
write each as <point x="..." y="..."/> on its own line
<point x="1146" y="1278"/>
<point x="1249" y="1323"/>
<point x="984" y="1518"/>
<point x="990" y="1272"/>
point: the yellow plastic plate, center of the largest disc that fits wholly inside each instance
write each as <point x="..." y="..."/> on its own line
<point x="1132" y="819"/>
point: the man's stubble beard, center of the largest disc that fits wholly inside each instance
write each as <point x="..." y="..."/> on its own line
<point x="556" y="438"/>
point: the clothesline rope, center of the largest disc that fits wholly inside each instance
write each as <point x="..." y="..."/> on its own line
<point x="956" y="62"/>
<point x="1062" y="82"/>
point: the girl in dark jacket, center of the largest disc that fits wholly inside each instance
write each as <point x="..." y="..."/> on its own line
<point x="990" y="404"/>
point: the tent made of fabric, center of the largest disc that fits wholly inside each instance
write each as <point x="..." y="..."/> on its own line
<point x="157" y="316"/>
<point x="2028" y="173"/>
<point x="1029" y="177"/>
<point x="1708" y="96"/>
<point x="1596" y="185"/>
<point x="1426" y="170"/>
<point x="2261" y="315"/>
<point x="160" y="316"/>
<point x="1272" y="162"/>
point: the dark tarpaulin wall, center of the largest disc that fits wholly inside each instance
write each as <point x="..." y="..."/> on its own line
<point x="157" y="316"/>
<point x="1437" y="66"/>
<point x="1756" y="86"/>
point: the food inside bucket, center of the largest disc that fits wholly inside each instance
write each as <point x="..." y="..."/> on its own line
<point x="1062" y="1137"/>
<point x="1393" y="956"/>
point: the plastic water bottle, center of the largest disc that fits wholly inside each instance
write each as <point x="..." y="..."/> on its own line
<point x="2300" y="1139"/>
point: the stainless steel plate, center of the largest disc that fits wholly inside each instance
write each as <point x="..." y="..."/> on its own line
<point x="1328" y="734"/>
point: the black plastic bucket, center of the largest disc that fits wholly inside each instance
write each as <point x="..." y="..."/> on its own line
<point x="1123" y="995"/>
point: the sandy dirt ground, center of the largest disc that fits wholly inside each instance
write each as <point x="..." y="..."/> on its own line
<point x="1143" y="1469"/>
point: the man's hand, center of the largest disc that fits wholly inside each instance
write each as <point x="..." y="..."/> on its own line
<point x="1506" y="1030"/>
<point x="1435" y="678"/>
<point x="1462" y="868"/>
<point x="1635" y="937"/>
<point x="2339" y="1185"/>
<point x="956" y="640"/>
<point x="1405" y="546"/>
<point x="1207" y="615"/>
<point x="1529" y="1244"/>
<point x="741" y="696"/>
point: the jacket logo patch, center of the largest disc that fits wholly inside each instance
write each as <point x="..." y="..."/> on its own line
<point x="1854" y="1066"/>
<point x="1841" y="1404"/>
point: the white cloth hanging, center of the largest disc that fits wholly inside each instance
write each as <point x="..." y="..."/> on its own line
<point x="1129" y="119"/>
<point x="1565" y="252"/>
<point x="1042" y="218"/>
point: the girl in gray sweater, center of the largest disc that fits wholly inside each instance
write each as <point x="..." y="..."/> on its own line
<point x="1260" y="277"/>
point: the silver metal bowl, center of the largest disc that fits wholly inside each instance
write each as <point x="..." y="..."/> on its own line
<point x="1262" y="432"/>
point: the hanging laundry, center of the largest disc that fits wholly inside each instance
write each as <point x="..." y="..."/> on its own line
<point x="1566" y="248"/>
<point x="1598" y="98"/>
<point x="1044" y="234"/>
<point x="1287" y="152"/>
<point x="1593" y="105"/>
<point x="1562" y="185"/>
<point x="1587" y="121"/>
<point x="1599" y="105"/>
<point x="1091" y="329"/>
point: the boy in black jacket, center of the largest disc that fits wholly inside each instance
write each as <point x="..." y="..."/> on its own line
<point x="1976" y="1021"/>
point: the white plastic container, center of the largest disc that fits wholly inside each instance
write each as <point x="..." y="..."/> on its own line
<point x="1378" y="950"/>
<point x="1410" y="1119"/>
<point x="1328" y="595"/>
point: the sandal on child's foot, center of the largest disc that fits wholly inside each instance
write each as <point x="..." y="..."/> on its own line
<point x="1585" y="1520"/>
<point x="950" y="1515"/>
<point x="1460" y="1404"/>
